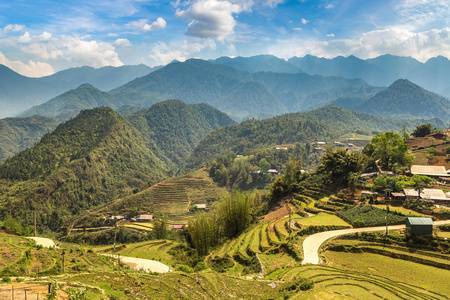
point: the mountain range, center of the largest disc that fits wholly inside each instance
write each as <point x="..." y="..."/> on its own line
<point x="18" y="93"/>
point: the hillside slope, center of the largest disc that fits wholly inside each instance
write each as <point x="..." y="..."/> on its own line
<point x="89" y="160"/>
<point x="177" y="127"/>
<point x="71" y="103"/>
<point x="17" y="134"/>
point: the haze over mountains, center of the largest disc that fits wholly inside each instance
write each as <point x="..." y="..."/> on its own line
<point x="260" y="86"/>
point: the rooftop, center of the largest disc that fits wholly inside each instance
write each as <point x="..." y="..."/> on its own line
<point x="429" y="170"/>
<point x="420" y="221"/>
<point x="433" y="194"/>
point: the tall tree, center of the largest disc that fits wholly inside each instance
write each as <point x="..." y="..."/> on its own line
<point x="390" y="149"/>
<point x="341" y="166"/>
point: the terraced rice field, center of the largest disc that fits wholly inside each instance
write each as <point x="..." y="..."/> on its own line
<point x="345" y="284"/>
<point x="322" y="219"/>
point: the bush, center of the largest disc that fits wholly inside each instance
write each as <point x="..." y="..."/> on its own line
<point x="6" y="279"/>
<point x="185" y="269"/>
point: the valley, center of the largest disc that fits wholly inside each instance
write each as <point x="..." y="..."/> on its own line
<point x="226" y="173"/>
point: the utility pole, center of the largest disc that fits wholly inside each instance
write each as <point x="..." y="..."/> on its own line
<point x="34" y="215"/>
<point x="115" y="235"/>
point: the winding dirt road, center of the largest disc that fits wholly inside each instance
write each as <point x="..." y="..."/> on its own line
<point x="312" y="243"/>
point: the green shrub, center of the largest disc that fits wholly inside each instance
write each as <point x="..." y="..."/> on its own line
<point x="184" y="268"/>
<point x="7" y="279"/>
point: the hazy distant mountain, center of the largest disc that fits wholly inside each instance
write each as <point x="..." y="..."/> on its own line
<point x="259" y="63"/>
<point x="71" y="103"/>
<point x="404" y="99"/>
<point x="237" y="93"/>
<point x="17" y="134"/>
<point x="199" y="81"/>
<point x="18" y="93"/>
<point x="382" y="70"/>
<point x="177" y="127"/>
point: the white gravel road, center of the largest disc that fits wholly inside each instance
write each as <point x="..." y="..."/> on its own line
<point x="147" y="265"/>
<point x="44" y="242"/>
<point x="312" y="243"/>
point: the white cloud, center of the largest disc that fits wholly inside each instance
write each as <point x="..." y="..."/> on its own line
<point x="304" y="22"/>
<point x="143" y="26"/>
<point x="329" y="6"/>
<point x="122" y="43"/>
<point x="396" y="40"/>
<point x="45" y="36"/>
<point x="163" y="53"/>
<point x="297" y="29"/>
<point x="32" y="69"/>
<point x="13" y="28"/>
<point x="210" y="18"/>
<point x="330" y="35"/>
<point x="417" y="13"/>
<point x="25" y="38"/>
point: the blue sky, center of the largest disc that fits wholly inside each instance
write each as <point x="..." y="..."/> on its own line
<point x="40" y="37"/>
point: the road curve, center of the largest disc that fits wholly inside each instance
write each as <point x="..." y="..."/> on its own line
<point x="147" y="265"/>
<point x="312" y="243"/>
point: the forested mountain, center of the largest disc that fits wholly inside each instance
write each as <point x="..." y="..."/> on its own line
<point x="404" y="99"/>
<point x="18" y="93"/>
<point x="259" y="63"/>
<point x="323" y="124"/>
<point x="91" y="159"/>
<point x="177" y="127"/>
<point x="17" y="134"/>
<point x="71" y="103"/>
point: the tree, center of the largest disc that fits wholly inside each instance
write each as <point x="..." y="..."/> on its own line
<point x="264" y="165"/>
<point x="341" y="165"/>
<point x="390" y="149"/>
<point x="404" y="132"/>
<point x="431" y="152"/>
<point x="419" y="182"/>
<point x="160" y="228"/>
<point x="424" y="130"/>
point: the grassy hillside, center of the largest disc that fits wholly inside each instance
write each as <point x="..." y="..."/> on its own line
<point x="17" y="134"/>
<point x="91" y="159"/>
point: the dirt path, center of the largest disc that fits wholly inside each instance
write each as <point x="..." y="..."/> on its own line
<point x="147" y="265"/>
<point x="312" y="243"/>
<point x="44" y="242"/>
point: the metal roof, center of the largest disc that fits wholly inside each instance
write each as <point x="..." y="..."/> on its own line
<point x="433" y="194"/>
<point x="420" y="221"/>
<point x="411" y="193"/>
<point x="429" y="170"/>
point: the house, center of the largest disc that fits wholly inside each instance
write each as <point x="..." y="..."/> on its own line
<point x="201" y="206"/>
<point x="350" y="145"/>
<point x="273" y="171"/>
<point x="319" y="149"/>
<point x="144" y="218"/>
<point x="446" y="132"/>
<point x="435" y="195"/>
<point x="418" y="225"/>
<point x="178" y="226"/>
<point x="398" y="196"/>
<point x="118" y="218"/>
<point x="411" y="194"/>
<point x="364" y="175"/>
<point x="321" y="143"/>
<point x="432" y="171"/>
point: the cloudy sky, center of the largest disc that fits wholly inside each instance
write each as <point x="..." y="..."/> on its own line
<point x="40" y="37"/>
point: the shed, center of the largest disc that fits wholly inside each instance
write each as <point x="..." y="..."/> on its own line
<point x="273" y="171"/>
<point x="411" y="194"/>
<point x="144" y="218"/>
<point x="418" y="225"/>
<point x="178" y="226"/>
<point x="432" y="171"/>
<point x="368" y="194"/>
<point x="201" y="206"/>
